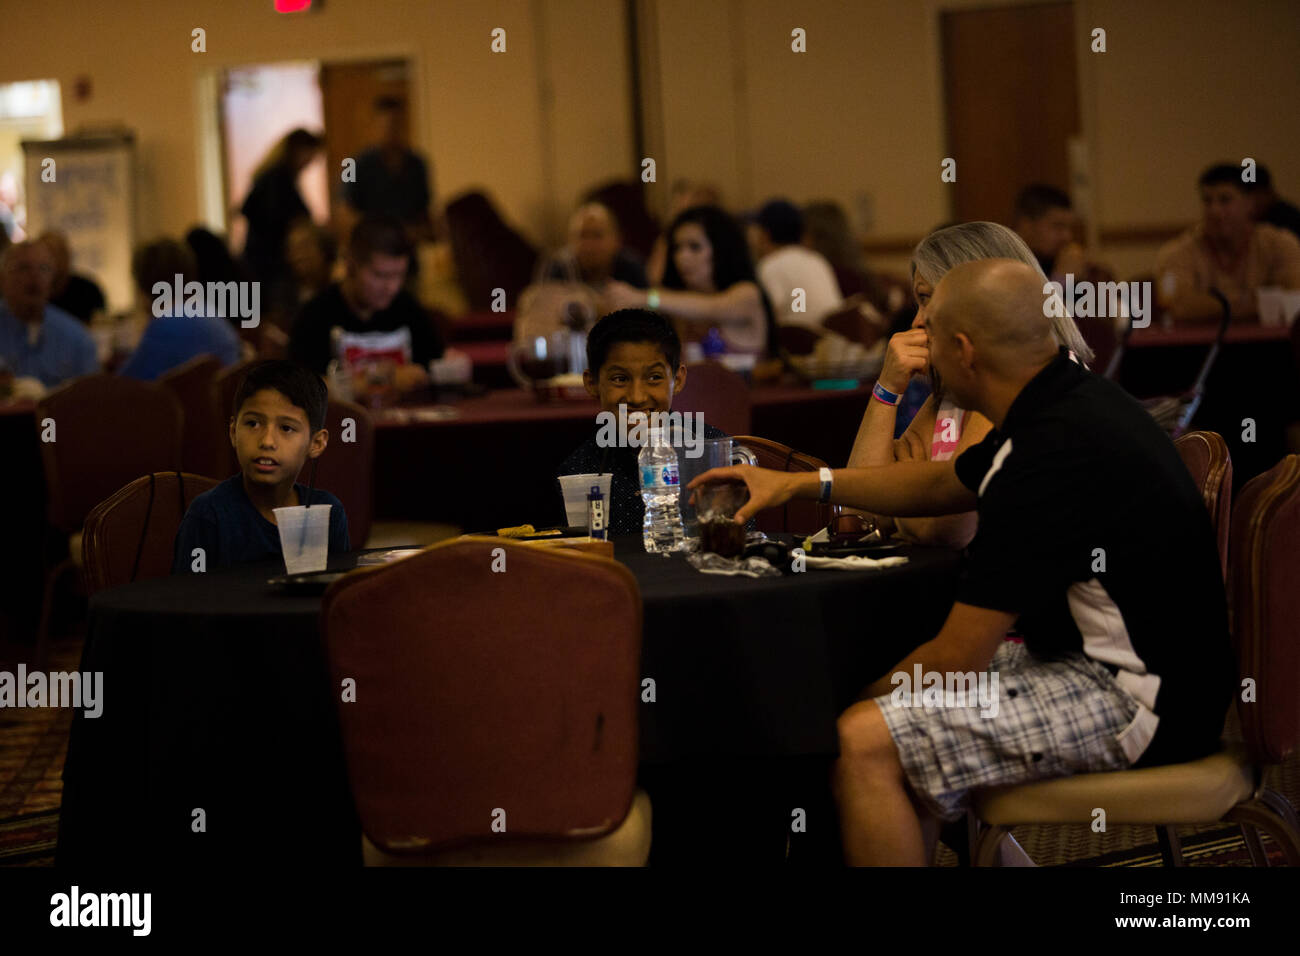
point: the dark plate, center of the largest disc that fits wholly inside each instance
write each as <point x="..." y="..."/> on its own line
<point x="836" y="549"/>
<point x="313" y="582"/>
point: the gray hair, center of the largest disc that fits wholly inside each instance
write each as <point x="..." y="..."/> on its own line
<point x="971" y="241"/>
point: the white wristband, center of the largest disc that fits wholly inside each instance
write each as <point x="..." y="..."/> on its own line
<point x="824" y="476"/>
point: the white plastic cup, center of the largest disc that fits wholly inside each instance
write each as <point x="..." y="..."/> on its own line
<point x="304" y="537"/>
<point x="576" y="488"/>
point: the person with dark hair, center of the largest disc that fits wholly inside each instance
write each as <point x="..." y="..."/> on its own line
<point x="374" y="314"/>
<point x="488" y="254"/>
<point x="1044" y="217"/>
<point x="274" y="204"/>
<point x="634" y="359"/>
<point x="1227" y="253"/>
<point x="172" y="338"/>
<point x="1269" y="206"/>
<point x="276" y="425"/>
<point x="391" y="178"/>
<point x="78" y="295"/>
<point x="709" y="283"/>
<point x="625" y="199"/>
<point x="786" y="266"/>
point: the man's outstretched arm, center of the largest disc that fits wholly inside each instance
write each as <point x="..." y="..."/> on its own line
<point x="906" y="489"/>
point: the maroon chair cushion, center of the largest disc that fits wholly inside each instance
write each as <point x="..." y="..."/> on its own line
<point x="480" y="690"/>
<point x="108" y="431"/>
<point x="794" y="517"/>
<point x="719" y="393"/>
<point x="347" y="467"/>
<point x="1206" y="456"/>
<point x="1266" y="609"/>
<point x="130" y="536"/>
<point x="205" y="445"/>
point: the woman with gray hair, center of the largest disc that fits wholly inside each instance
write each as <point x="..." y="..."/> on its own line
<point x="940" y="429"/>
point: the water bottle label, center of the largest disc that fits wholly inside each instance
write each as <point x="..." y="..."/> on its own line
<point x="661" y="475"/>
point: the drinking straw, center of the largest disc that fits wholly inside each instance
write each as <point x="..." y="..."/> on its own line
<point x="311" y="487"/>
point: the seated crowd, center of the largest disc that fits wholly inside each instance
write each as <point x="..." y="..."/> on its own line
<point x="1018" y="453"/>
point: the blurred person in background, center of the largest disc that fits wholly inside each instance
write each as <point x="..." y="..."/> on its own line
<point x="274" y="204"/>
<point x="487" y="252"/>
<point x="1226" y="252"/>
<point x="1044" y="217"/>
<point x="173" y="338"/>
<point x="685" y="194"/>
<point x="595" y="251"/>
<point x="786" y="266"/>
<point x="39" y="340"/>
<point x="709" y="284"/>
<point x="78" y="295"/>
<point x="375" y="315"/>
<point x="392" y="179"/>
<point x="1269" y="206"/>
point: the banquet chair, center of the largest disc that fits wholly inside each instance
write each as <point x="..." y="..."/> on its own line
<point x="495" y="711"/>
<point x="346" y="469"/>
<point x="1206" y="456"/>
<point x="205" y="445"/>
<point x="794" y="517"/>
<point x="108" y="430"/>
<point x="129" y="536"/>
<point x="719" y="393"/>
<point x="858" y="321"/>
<point x="1227" y="785"/>
<point x="224" y="387"/>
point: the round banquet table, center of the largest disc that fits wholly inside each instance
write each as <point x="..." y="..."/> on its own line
<point x="216" y="697"/>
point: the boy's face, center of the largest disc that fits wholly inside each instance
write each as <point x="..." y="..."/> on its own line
<point x="635" y="374"/>
<point x="272" y="439"/>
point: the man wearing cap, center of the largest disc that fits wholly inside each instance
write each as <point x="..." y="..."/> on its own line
<point x="799" y="281"/>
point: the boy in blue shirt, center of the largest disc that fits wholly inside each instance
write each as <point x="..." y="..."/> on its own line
<point x="277" y="426"/>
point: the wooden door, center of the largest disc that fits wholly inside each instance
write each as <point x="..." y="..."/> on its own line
<point x="348" y="94"/>
<point x="1012" y="103"/>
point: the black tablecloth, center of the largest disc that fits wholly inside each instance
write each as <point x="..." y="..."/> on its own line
<point x="216" y="697"/>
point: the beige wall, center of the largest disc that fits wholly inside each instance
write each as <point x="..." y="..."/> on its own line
<point x="479" y="115"/>
<point x="858" y="118"/>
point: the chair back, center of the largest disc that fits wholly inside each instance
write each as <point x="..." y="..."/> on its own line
<point x="858" y="321"/>
<point x="225" y="386"/>
<point x="108" y="430"/>
<point x="205" y="445"/>
<point x="1266" y="609"/>
<point x="491" y="677"/>
<point x="347" y="467"/>
<point x="129" y="537"/>
<point x="794" y="517"/>
<point x="719" y="393"/>
<point x="1206" y="456"/>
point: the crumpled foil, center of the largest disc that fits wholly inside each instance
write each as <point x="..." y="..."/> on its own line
<point x="711" y="563"/>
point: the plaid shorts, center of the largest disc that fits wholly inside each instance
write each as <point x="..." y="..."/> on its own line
<point x="1052" y="718"/>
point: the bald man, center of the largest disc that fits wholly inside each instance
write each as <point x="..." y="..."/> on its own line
<point x="38" y="340"/>
<point x="1093" y="543"/>
<point x="595" y="252"/>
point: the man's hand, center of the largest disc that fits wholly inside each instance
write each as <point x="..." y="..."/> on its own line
<point x="767" y="488"/>
<point x="908" y="353"/>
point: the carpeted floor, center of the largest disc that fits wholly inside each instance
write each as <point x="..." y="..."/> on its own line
<point x="33" y="744"/>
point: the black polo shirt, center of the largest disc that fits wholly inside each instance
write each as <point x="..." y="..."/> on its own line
<point x="1093" y="532"/>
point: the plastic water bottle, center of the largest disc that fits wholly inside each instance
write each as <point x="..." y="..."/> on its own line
<point x="657" y="465"/>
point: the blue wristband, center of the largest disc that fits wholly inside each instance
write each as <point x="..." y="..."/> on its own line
<point x="885" y="395"/>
